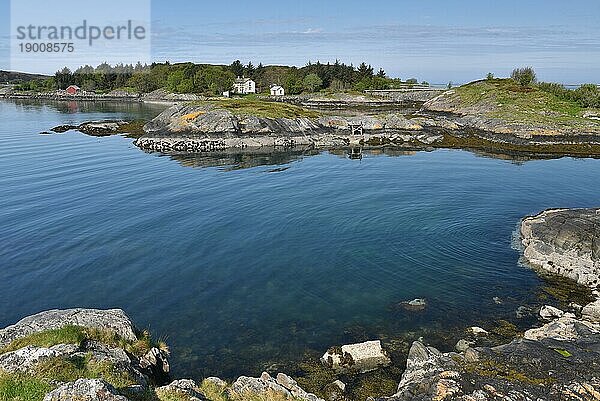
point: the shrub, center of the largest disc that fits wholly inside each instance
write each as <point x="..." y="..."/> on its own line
<point x="312" y="83"/>
<point x="489" y="76"/>
<point x="587" y="95"/>
<point x="524" y="76"/>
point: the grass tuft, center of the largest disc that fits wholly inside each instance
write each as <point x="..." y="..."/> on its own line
<point x="77" y="335"/>
<point x="71" y="369"/>
<point x="47" y="339"/>
<point x="213" y="391"/>
<point x="22" y="387"/>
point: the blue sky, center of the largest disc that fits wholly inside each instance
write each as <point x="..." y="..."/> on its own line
<point x="434" y="40"/>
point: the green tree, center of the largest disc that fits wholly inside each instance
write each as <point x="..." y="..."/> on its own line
<point x="293" y="83"/>
<point x="174" y="79"/>
<point x="587" y="95"/>
<point x="250" y="70"/>
<point x="312" y="83"/>
<point x="142" y="82"/>
<point x="237" y="68"/>
<point x="363" y="84"/>
<point x="365" y="70"/>
<point x="63" y="78"/>
<point x="524" y="76"/>
<point x="214" y="80"/>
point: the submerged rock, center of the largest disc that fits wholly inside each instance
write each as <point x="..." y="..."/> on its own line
<point x="477" y="331"/>
<point x="416" y="305"/>
<point x="523" y="311"/>
<point x="362" y="357"/>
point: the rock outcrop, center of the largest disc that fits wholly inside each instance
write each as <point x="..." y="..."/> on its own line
<point x="204" y="127"/>
<point x="114" y="319"/>
<point x="522" y="370"/>
<point x="282" y="385"/>
<point x="184" y="387"/>
<point x="565" y="242"/>
<point x="101" y="349"/>
<point x="96" y="128"/>
<point x="85" y="390"/>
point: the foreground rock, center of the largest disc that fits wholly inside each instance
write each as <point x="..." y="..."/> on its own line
<point x="565" y="242"/>
<point x="263" y="386"/>
<point x="85" y="389"/>
<point x="363" y="357"/>
<point x="103" y="352"/>
<point x="122" y="368"/>
<point x="522" y="370"/>
<point x="185" y="387"/>
<point x="114" y="319"/>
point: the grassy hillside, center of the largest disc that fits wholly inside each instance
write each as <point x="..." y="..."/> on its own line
<point x="507" y="100"/>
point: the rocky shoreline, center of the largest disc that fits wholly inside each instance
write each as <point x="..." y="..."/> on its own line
<point x="560" y="360"/>
<point x="206" y="128"/>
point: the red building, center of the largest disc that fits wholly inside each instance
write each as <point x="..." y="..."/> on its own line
<point x="73" y="89"/>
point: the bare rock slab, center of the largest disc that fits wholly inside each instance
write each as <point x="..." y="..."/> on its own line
<point x="565" y="242"/>
<point x="114" y="319"/>
<point x="362" y="357"/>
<point x="591" y="312"/>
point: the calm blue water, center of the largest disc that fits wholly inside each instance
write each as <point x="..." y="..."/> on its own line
<point x="241" y="269"/>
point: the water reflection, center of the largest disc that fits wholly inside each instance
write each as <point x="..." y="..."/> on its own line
<point x="250" y="158"/>
<point x="148" y="110"/>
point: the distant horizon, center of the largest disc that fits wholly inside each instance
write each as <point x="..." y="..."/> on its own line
<point x="435" y="41"/>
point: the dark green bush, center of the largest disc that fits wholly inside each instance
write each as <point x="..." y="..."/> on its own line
<point x="587" y="95"/>
<point x="524" y="76"/>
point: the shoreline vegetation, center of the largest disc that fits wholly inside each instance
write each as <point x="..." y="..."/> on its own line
<point x="98" y="355"/>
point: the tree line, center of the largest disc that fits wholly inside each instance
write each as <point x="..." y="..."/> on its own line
<point x="214" y="79"/>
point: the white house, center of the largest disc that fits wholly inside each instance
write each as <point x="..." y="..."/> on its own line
<point x="277" y="90"/>
<point x="244" y="86"/>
